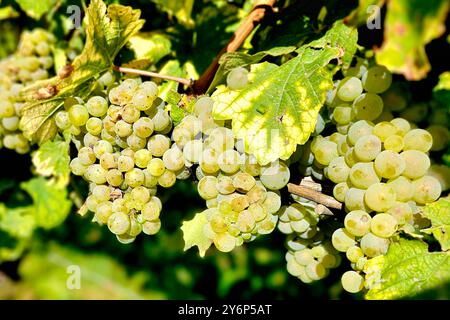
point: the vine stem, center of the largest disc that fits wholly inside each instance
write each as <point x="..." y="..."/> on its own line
<point x="314" y="195"/>
<point x="186" y="82"/>
<point x="251" y="21"/>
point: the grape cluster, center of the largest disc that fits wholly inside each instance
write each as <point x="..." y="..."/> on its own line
<point x="379" y="168"/>
<point x="123" y="154"/>
<point x="309" y="255"/>
<point x="31" y="62"/>
<point x="242" y="196"/>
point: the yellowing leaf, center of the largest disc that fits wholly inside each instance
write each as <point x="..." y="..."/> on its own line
<point x="152" y="47"/>
<point x="50" y="203"/>
<point x="439" y="214"/>
<point x="17" y="222"/>
<point x="406" y="270"/>
<point x="409" y="26"/>
<point x="180" y="9"/>
<point x="52" y="159"/>
<point x="193" y="234"/>
<point x="107" y="31"/>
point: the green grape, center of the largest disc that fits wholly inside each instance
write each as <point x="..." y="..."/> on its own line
<point x="352" y="281"/>
<point x="96" y="174"/>
<point x="342" y="114"/>
<point x="136" y="143"/>
<point x="173" y="159"/>
<point x="150" y="180"/>
<point x="377" y="79"/>
<point x="209" y="161"/>
<point x="77" y="167"/>
<point x="441" y="173"/>
<point x="357" y="222"/>
<point x="275" y="176"/>
<point x="62" y="120"/>
<point x="362" y="175"/>
<point x="243" y="182"/>
<point x="105" y="80"/>
<point x="373" y="245"/>
<point x="220" y="139"/>
<point x="207" y="187"/>
<point x="229" y="162"/>
<point x="134" y="178"/>
<point x="272" y="202"/>
<point x="340" y="190"/>
<point x="325" y="151"/>
<point x="225" y="185"/>
<point x="384" y="129"/>
<point x="250" y="165"/>
<point x="380" y="197"/>
<point x="389" y="164"/>
<point x="383" y="225"/>
<point x="342" y="240"/>
<point x="354" y="200"/>
<point x="402" y="213"/>
<point x="94" y="126"/>
<point x="350" y="157"/>
<point x="119" y="223"/>
<point x="158" y="145"/>
<point x="151" y="227"/>
<point x="394" y="143"/>
<point x="367" y="147"/>
<point x="156" y="167"/>
<point x="143" y="99"/>
<point x="114" y="177"/>
<point x="354" y="253"/>
<point x="315" y="270"/>
<point x="140" y="194"/>
<point x="130" y="114"/>
<point x="358" y="129"/>
<point x="303" y="257"/>
<point x="143" y="127"/>
<point x="418" y="139"/>
<point x="193" y="150"/>
<point x="349" y="89"/>
<point x="101" y="193"/>
<point x="237" y="78"/>
<point x="426" y="189"/>
<point x="97" y="106"/>
<point x="123" y="129"/>
<point x="78" y="115"/>
<point x="367" y="106"/>
<point x="403" y="188"/>
<point x="125" y="163"/>
<point x="246" y="221"/>
<point x="417" y="163"/>
<point x="167" y="179"/>
<point x="103" y="212"/>
<point x="161" y="120"/>
<point x="440" y="136"/>
<point x="239" y="202"/>
<point x="300" y="226"/>
<point x="102" y="147"/>
<point x="258" y="211"/>
<point x="338" y="170"/>
<point x="135" y="229"/>
<point x="86" y="156"/>
<point x="402" y="125"/>
<point x="224" y="242"/>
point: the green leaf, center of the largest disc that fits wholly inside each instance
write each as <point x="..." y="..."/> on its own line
<point x="180" y="9"/>
<point x="52" y="159"/>
<point x="152" y="47"/>
<point x="363" y="12"/>
<point x="8" y="13"/>
<point x="18" y="222"/>
<point x="439" y="214"/>
<point x="101" y="277"/>
<point x="107" y="31"/>
<point x="406" y="270"/>
<point x="36" y="9"/>
<point x="409" y="26"/>
<point x="231" y="60"/>
<point x="193" y="234"/>
<point x="50" y="203"/>
<point x="441" y="91"/>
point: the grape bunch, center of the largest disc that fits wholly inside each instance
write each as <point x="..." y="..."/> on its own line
<point x="310" y="255"/>
<point x="241" y="196"/>
<point x="123" y="153"/>
<point x="379" y="168"/>
<point x="31" y="62"/>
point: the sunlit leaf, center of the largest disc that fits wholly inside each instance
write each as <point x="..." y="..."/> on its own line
<point x="36" y="9"/>
<point x="193" y="234"/>
<point x="439" y="214"/>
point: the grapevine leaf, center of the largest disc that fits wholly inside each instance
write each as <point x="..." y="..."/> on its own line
<point x="231" y="60"/>
<point x="193" y="234"/>
<point x="101" y="277"/>
<point x="441" y="91"/>
<point x="180" y="9"/>
<point x="439" y="214"/>
<point x="107" y="31"/>
<point x="406" y="270"/>
<point x="364" y="12"/>
<point x="152" y="47"/>
<point x="51" y="205"/>
<point x="36" y="9"/>
<point x="18" y="222"/>
<point x="52" y="159"/>
<point x="409" y="26"/>
<point x="173" y="68"/>
<point x="8" y="13"/>
<point x="278" y="108"/>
